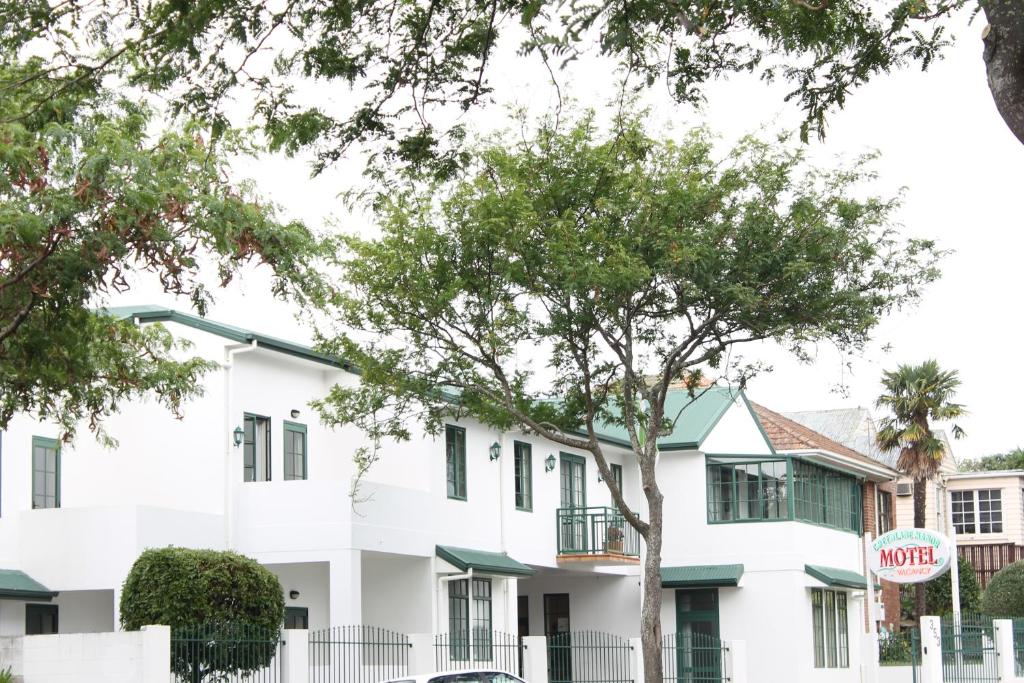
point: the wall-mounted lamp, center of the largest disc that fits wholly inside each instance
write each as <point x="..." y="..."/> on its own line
<point x="294" y="413"/>
<point x="549" y="463"/>
<point x="495" y="450"/>
<point x="294" y="595"/>
<point x="238" y="435"/>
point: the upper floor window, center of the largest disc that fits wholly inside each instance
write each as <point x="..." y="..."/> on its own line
<point x="977" y="511"/>
<point x="294" y="451"/>
<point x="256" y="449"/>
<point x="523" y="475"/>
<point x="747" y="490"/>
<point x="884" y="512"/>
<point x="45" y="473"/>
<point x="741" y="489"/>
<point x="617" y="475"/>
<point x="455" y="461"/>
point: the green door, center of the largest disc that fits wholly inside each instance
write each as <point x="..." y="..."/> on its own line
<point x="698" y="651"/>
<point x="573" y="485"/>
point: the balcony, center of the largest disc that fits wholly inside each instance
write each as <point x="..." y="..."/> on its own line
<point x="597" y="535"/>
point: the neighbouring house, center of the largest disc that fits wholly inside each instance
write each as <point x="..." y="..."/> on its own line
<point x="790" y="436"/>
<point x="987" y="513"/>
<point x="466" y="533"/>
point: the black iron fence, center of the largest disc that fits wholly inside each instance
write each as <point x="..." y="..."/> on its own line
<point x="225" y="653"/>
<point x="588" y="657"/>
<point x="694" y="658"/>
<point x="357" y="654"/>
<point x="489" y="649"/>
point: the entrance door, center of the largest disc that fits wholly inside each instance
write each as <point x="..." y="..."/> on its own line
<point x="698" y="655"/>
<point x="556" y="628"/>
<point x="573" y="497"/>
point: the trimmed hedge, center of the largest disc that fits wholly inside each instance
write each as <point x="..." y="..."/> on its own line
<point x="1004" y="596"/>
<point x="181" y="587"/>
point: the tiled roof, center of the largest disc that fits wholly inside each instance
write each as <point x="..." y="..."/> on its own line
<point x="788" y="435"/>
<point x="852" y="427"/>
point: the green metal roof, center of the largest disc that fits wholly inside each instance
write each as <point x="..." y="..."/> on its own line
<point x="17" y="585"/>
<point x="706" y="575"/>
<point x="149" y="314"/>
<point x="483" y="561"/>
<point x="831" y="576"/>
<point x="698" y="417"/>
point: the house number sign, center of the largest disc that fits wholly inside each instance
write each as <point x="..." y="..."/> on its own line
<point x="910" y="555"/>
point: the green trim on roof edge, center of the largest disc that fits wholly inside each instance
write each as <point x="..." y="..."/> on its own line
<point x="150" y="314"/>
<point x="17" y="585"/>
<point x="483" y="560"/>
<point x="702" y="576"/>
<point x="833" y="576"/>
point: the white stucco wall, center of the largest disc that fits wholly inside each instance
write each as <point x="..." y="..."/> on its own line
<point x="596" y="601"/>
<point x="311" y="579"/>
<point x="397" y="592"/>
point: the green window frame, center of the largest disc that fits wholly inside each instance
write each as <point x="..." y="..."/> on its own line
<point x="256" y="448"/>
<point x="572" y="476"/>
<point x="45" y="473"/>
<point x="295" y="451"/>
<point x="41" y="620"/>
<point x="748" y="490"/>
<point x="830" y="623"/>
<point x="296" y="617"/>
<point x="617" y="475"/>
<point x="455" y="461"/>
<point x="781" y="488"/>
<point x="523" y="457"/>
<point x="460" y="620"/>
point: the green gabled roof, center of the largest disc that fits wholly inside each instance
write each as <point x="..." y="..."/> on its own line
<point x="830" y="576"/>
<point x="706" y="575"/>
<point x="151" y="314"/>
<point x="17" y="585"/>
<point x="483" y="561"/>
<point x="695" y="422"/>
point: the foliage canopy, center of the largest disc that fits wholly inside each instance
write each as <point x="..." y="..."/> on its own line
<point x="1004" y="595"/>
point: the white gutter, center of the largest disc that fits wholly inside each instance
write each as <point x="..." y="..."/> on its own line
<point x="885" y="473"/>
<point x="989" y="474"/>
<point x="229" y="357"/>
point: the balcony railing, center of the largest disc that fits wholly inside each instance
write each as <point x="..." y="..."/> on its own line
<point x="596" y="532"/>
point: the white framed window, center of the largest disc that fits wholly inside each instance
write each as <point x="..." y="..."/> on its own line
<point x="963" y="511"/>
<point x="978" y="511"/>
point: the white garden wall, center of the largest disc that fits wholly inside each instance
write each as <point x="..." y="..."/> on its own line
<point x="122" y="657"/>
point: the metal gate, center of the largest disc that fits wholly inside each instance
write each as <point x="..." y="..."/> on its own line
<point x="490" y="649"/>
<point x="969" y="650"/>
<point x="694" y="658"/>
<point x="228" y="653"/>
<point x="901" y="648"/>
<point x="357" y="654"/>
<point x="588" y="657"/>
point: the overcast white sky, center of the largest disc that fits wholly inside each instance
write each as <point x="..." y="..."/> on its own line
<point x="940" y="137"/>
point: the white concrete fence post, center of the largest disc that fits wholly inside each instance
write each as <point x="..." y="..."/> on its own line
<point x="421" y="654"/>
<point x="295" y="656"/>
<point x="737" y="666"/>
<point x="156" y="654"/>
<point x="869" y="658"/>
<point x="535" y="659"/>
<point x="636" y="660"/>
<point x="931" y="650"/>
<point x="1005" y="663"/>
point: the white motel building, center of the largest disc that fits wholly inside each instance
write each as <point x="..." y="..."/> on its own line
<point x="760" y="545"/>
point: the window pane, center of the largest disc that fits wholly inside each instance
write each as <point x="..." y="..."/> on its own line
<point x="843" y="623"/>
<point x="830" y="629"/>
<point x="818" y="625"/>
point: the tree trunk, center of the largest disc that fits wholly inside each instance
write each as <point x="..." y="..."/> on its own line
<point x="1004" y="59"/>
<point x="920" y="497"/>
<point x="650" y="611"/>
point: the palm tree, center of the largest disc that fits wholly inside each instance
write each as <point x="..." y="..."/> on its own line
<point x="915" y="394"/>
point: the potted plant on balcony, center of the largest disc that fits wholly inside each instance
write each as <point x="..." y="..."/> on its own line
<point x="613" y="544"/>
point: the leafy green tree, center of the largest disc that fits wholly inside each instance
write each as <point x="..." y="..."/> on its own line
<point x="914" y="395"/>
<point x="627" y="265"/>
<point x="88" y="197"/>
<point x="939" y="592"/>
<point x="210" y="599"/>
<point x="409" y="65"/>
<point x="1004" y="595"/>
<point x="1013" y="460"/>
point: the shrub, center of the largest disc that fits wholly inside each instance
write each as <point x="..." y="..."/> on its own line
<point x="939" y="592"/>
<point x="212" y="601"/>
<point x="1004" y="596"/>
<point x="6" y="676"/>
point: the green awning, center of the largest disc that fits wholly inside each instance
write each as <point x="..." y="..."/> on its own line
<point x="483" y="561"/>
<point x="17" y="585"/>
<point x="698" y="576"/>
<point x="830" y="576"/>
